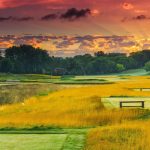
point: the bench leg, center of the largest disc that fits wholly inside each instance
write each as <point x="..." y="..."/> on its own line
<point x="120" y="104"/>
<point x="142" y="104"/>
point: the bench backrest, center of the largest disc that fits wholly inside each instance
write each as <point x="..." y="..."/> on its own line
<point x="132" y="102"/>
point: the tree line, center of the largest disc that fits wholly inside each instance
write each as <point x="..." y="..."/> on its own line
<point x="26" y="59"/>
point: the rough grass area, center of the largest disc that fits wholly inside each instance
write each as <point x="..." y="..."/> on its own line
<point x="127" y="136"/>
<point x="14" y="93"/>
<point x="76" y="106"/>
<point x="27" y="78"/>
<point x="61" y="119"/>
<point x="64" y="112"/>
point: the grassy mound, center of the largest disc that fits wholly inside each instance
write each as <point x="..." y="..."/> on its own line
<point x="127" y="136"/>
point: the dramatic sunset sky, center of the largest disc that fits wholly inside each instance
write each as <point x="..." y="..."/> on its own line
<point x="71" y="27"/>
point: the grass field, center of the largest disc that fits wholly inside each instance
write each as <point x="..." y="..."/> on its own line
<point x="76" y="113"/>
<point x="32" y="141"/>
<point x="126" y="136"/>
<point x="41" y="142"/>
<point x="54" y="139"/>
<point x="14" y="93"/>
<point x="114" y="102"/>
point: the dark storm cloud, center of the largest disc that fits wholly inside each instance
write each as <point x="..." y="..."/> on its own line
<point x="23" y="19"/>
<point x="74" y="13"/>
<point x="2" y="19"/>
<point x="141" y="17"/>
<point x="138" y="18"/>
<point x="10" y="18"/>
<point x="49" y="17"/>
<point x="70" y="14"/>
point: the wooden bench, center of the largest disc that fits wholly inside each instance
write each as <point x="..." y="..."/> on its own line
<point x="132" y="102"/>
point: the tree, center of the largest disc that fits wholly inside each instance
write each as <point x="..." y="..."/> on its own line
<point x="6" y="65"/>
<point x="127" y="62"/>
<point x="120" y="67"/>
<point x="82" y="61"/>
<point x="147" y="66"/>
<point x="116" y="54"/>
<point x="101" y="66"/>
<point x="72" y="66"/>
<point x="27" y="59"/>
<point x="141" y="57"/>
<point x="99" y="53"/>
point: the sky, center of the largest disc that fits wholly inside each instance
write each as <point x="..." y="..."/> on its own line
<point x="73" y="27"/>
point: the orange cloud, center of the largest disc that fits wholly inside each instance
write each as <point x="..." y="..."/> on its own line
<point x="16" y="3"/>
<point x="95" y="12"/>
<point x="127" y="6"/>
<point x="140" y="11"/>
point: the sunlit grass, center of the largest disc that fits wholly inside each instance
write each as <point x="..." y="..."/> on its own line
<point x="127" y="136"/>
<point x="63" y="112"/>
<point x="75" y="107"/>
<point x="82" y="107"/>
<point x="32" y="141"/>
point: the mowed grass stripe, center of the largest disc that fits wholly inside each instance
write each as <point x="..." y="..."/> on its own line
<point x="74" y="142"/>
<point x="32" y="141"/>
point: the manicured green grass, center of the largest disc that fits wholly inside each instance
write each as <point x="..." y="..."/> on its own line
<point x="135" y="72"/>
<point x="69" y="79"/>
<point x="35" y="78"/>
<point x="74" y="142"/>
<point x="32" y="141"/>
<point x="42" y="141"/>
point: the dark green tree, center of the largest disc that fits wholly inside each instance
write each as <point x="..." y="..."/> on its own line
<point x="6" y="65"/>
<point x="27" y="59"/>
<point x="147" y="66"/>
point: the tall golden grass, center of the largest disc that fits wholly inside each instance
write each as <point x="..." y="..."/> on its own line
<point x="63" y="112"/>
<point x="127" y="136"/>
<point x="74" y="107"/>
